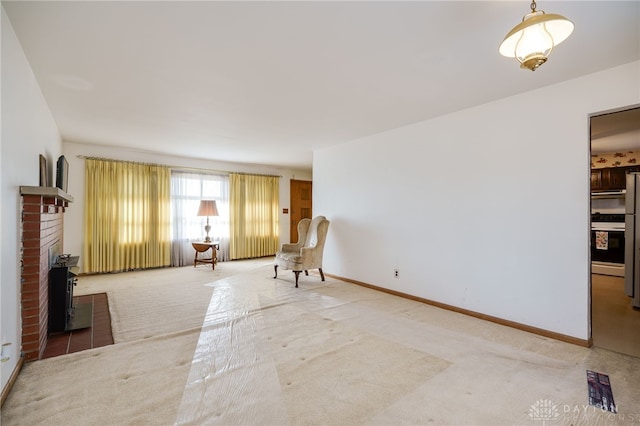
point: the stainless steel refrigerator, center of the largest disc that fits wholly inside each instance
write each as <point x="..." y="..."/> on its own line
<point x="632" y="239"/>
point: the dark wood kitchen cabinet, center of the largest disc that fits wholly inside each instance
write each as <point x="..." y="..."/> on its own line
<point x="609" y="179"/>
<point x="617" y="178"/>
<point x="596" y="180"/>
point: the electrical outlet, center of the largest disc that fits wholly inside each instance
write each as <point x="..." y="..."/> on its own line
<point x="396" y="273"/>
<point x="4" y="358"/>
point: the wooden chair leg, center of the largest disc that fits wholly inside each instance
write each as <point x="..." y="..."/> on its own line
<point x="275" y="268"/>
<point x="306" y="272"/>
<point x="297" y="275"/>
<point x="321" y="273"/>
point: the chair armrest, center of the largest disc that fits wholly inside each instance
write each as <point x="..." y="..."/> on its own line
<point x="290" y="247"/>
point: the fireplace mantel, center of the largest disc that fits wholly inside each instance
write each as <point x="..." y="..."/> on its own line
<point x="46" y="191"/>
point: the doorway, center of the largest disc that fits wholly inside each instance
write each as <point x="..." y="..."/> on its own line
<point x="615" y="145"/>
<point x="301" y="196"/>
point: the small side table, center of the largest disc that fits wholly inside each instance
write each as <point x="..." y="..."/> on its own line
<point x="202" y="247"/>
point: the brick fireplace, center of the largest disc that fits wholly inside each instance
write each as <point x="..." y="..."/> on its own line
<point x="42" y="239"/>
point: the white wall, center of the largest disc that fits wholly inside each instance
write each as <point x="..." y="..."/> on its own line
<point x="486" y="209"/>
<point x="73" y="218"/>
<point x="28" y="130"/>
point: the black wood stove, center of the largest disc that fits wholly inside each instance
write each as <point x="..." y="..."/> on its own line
<point x="63" y="314"/>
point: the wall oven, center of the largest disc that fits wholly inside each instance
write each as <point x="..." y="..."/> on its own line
<point x="607" y="238"/>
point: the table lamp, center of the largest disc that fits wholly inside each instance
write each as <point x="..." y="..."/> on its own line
<point x="207" y="208"/>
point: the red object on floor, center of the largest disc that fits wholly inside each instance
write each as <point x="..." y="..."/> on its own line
<point x="99" y="334"/>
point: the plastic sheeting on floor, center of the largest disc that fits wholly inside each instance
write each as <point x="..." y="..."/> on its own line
<point x="336" y="353"/>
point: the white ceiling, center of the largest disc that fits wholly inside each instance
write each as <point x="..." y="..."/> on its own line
<point x="268" y="82"/>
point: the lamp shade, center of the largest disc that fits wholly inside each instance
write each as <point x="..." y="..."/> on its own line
<point x="532" y="40"/>
<point x="207" y="208"/>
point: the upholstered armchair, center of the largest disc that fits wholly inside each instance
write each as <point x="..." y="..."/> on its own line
<point x="307" y="252"/>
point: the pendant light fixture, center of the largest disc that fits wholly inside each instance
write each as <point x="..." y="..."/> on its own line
<point x="533" y="39"/>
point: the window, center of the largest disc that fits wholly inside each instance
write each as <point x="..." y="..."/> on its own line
<point x="187" y="189"/>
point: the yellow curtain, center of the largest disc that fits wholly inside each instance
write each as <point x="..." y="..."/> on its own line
<point x="126" y="216"/>
<point x="253" y="210"/>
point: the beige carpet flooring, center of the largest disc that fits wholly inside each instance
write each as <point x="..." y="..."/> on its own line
<point x="144" y="304"/>
<point x="236" y="347"/>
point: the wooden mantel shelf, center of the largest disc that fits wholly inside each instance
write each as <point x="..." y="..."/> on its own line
<point x="46" y="191"/>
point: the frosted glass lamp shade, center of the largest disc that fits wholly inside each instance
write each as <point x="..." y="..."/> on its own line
<point x="532" y="40"/>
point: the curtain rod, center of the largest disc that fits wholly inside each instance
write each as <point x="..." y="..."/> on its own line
<point x="177" y="168"/>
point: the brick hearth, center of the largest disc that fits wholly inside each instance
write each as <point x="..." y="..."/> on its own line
<point x="42" y="230"/>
